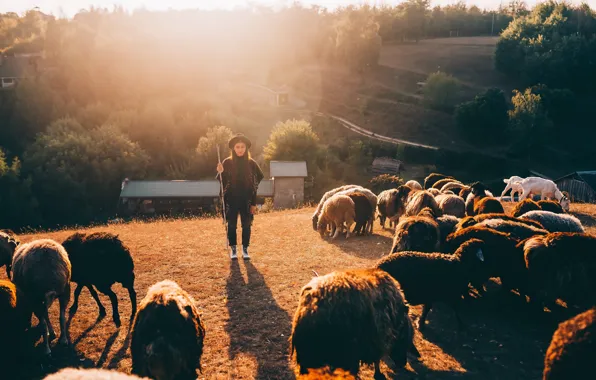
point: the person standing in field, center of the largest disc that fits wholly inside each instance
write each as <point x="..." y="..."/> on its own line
<point x="240" y="176"/>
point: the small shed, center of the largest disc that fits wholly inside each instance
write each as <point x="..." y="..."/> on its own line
<point x="172" y="197"/>
<point x="387" y="165"/>
<point x="288" y="179"/>
<point x="581" y="186"/>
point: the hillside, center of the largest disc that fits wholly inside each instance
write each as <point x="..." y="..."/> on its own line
<point x="248" y="306"/>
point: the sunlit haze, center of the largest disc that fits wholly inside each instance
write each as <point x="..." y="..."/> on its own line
<point x="70" y="7"/>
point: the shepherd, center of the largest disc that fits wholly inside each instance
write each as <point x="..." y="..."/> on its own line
<point x="240" y="176"/>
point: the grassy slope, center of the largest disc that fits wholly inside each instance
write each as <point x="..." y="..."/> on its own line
<point x="247" y="307"/>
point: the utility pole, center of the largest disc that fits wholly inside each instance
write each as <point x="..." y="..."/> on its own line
<point x="492" y="27"/>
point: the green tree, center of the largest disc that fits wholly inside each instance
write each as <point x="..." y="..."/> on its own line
<point x="207" y="149"/>
<point x="528" y="120"/>
<point x="441" y="90"/>
<point x="293" y="140"/>
<point x="484" y="116"/>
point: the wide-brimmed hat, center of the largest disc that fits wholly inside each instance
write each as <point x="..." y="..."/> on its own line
<point x="239" y="138"/>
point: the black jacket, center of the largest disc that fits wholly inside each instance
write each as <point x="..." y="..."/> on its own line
<point x="241" y="189"/>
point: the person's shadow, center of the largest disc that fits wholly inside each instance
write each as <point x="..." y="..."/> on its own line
<point x="257" y="326"/>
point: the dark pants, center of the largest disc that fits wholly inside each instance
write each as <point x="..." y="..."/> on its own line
<point x="233" y="209"/>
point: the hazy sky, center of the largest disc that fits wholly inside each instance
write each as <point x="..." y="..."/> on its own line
<point x="70" y="7"/>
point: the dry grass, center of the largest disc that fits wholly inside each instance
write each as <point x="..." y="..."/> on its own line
<point x="248" y="306"/>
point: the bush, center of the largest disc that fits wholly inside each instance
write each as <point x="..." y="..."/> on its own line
<point x="293" y="140"/>
<point x="441" y="91"/>
<point x="484" y="117"/>
<point x="385" y="182"/>
<point x="528" y="120"/>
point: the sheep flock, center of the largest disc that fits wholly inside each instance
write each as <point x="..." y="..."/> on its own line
<point x="450" y="239"/>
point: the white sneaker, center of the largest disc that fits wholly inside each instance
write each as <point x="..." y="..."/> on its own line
<point x="233" y="254"/>
<point x="245" y="255"/>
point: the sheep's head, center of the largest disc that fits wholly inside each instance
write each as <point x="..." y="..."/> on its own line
<point x="478" y="189"/>
<point x="8" y="245"/>
<point x="322" y="226"/>
<point x="164" y="360"/>
<point x="315" y="220"/>
<point x="472" y="252"/>
<point x="565" y="203"/>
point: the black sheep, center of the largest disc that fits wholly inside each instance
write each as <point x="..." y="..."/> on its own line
<point x="100" y="260"/>
<point x="364" y="212"/>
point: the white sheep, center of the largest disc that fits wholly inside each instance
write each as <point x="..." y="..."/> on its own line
<point x="544" y="187"/>
<point x="555" y="222"/>
<point x="513" y="183"/>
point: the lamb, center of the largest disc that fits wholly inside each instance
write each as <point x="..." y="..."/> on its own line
<point x="472" y="220"/>
<point x="513" y="184"/>
<point x="414" y="185"/>
<point x="432" y="178"/>
<point x="391" y="203"/>
<point x="167" y="334"/>
<point x="516" y="230"/>
<point x="525" y="206"/>
<point x="42" y="270"/>
<point x="101" y="259"/>
<point x="89" y="374"/>
<point x="363" y="211"/>
<point x="452" y="205"/>
<point x="562" y="265"/>
<point x="488" y="205"/>
<point x="555" y="222"/>
<point x="327" y="195"/>
<point x="416" y="233"/>
<point x="570" y="354"/>
<point x="427" y="278"/>
<point x="419" y="200"/>
<point x="337" y="210"/>
<point x="544" y="187"/>
<point x="348" y="317"/>
<point x="8" y="245"/>
<point x="552" y="206"/>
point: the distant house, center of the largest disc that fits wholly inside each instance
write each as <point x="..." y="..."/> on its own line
<point x="581" y="186"/>
<point x="275" y="97"/>
<point x="387" y="165"/>
<point x="16" y="67"/>
<point x="288" y="177"/>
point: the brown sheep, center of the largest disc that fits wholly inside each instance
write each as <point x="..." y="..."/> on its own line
<point x="488" y="205"/>
<point x="442" y="182"/>
<point x="167" y="334"/>
<point x="326" y="374"/>
<point x="434" y="192"/>
<point x="432" y="178"/>
<point x="42" y="271"/>
<point x="464" y="192"/>
<point x="14" y="319"/>
<point x="551" y="205"/>
<point x="417" y="233"/>
<point x="515" y="229"/>
<point x="478" y="191"/>
<point x="392" y="204"/>
<point x="337" y="210"/>
<point x="570" y="354"/>
<point x="524" y="206"/>
<point x="472" y="220"/>
<point x="8" y="244"/>
<point x="452" y="205"/>
<point x="454" y="186"/>
<point x="348" y="317"/>
<point x="414" y="185"/>
<point x="363" y="212"/>
<point x="327" y="195"/>
<point x="419" y="200"/>
<point x="562" y="265"/>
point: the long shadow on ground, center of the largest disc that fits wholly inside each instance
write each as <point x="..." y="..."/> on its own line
<point x="360" y="246"/>
<point x="257" y="326"/>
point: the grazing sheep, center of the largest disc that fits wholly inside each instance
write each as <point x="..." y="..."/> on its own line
<point x="464" y="192"/>
<point x="452" y="205"/>
<point x="89" y="374"/>
<point x="524" y="206"/>
<point x="552" y="206"/>
<point x="327" y="195"/>
<point x="442" y="182"/>
<point x="515" y="229"/>
<point x="427" y="278"/>
<point x="477" y="191"/>
<point x="544" y="187"/>
<point x="348" y="317"/>
<point x="472" y="220"/>
<point x="42" y="271"/>
<point x="8" y="244"/>
<point x="513" y="184"/>
<point x="562" y="265"/>
<point x="414" y="185"/>
<point x="391" y="203"/>
<point x="570" y="354"/>
<point x="434" y="192"/>
<point x="419" y="200"/>
<point x="337" y="210"/>
<point x="167" y="334"/>
<point x="454" y="186"/>
<point x="101" y="259"/>
<point x="488" y="205"/>
<point x="326" y="374"/>
<point x="363" y="211"/>
<point x="417" y="233"/>
<point x="555" y="222"/>
<point x="372" y="198"/>
<point x="432" y="178"/>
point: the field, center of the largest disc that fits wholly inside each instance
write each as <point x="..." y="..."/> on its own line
<point x="248" y="306"/>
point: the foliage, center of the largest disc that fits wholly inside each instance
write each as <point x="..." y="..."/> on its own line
<point x="207" y="148"/>
<point x="441" y="90"/>
<point x="385" y="182"/>
<point x="528" y="120"/>
<point x="485" y="118"/>
<point x="293" y="140"/>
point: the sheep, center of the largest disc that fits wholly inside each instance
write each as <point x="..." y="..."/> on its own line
<point x="454" y="186"/>
<point x="552" y="206"/>
<point x="472" y="220"/>
<point x="434" y="192"/>
<point x="442" y="182"/>
<point x="555" y="222"/>
<point x="488" y="205"/>
<point x="101" y="259"/>
<point x="14" y="319"/>
<point x="448" y="192"/>
<point x="430" y="179"/>
<point x="372" y="198"/>
<point x="477" y="191"/>
<point x="452" y="205"/>
<point x="348" y="317"/>
<point x="525" y="206"/>
<point x="363" y="211"/>
<point x="326" y="374"/>
<point x="513" y="184"/>
<point x="464" y="192"/>
<point x="337" y="210"/>
<point x="42" y="270"/>
<point x="419" y="200"/>
<point x="427" y="278"/>
<point x="416" y="233"/>
<point x="414" y="185"/>
<point x="327" y="195"/>
<point x="544" y="187"/>
<point x="391" y="203"/>
<point x="515" y="229"/>
<point x="89" y="374"/>
<point x="570" y="354"/>
<point x="167" y="334"/>
<point x="562" y="265"/>
<point x="8" y="245"/>
<point x="447" y="225"/>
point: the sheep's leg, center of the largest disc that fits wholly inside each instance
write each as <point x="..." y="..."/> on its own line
<point x="63" y="300"/>
<point x="506" y="189"/>
<point x="114" y="299"/>
<point x="422" y="321"/>
<point x="337" y="231"/>
<point x="8" y="271"/>
<point x="133" y="301"/>
<point x="102" y="310"/>
<point x="378" y="374"/>
<point x="41" y="312"/>
<point x="399" y="353"/>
